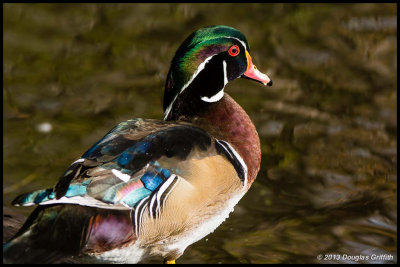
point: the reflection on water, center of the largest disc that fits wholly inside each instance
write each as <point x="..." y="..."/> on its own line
<point x="328" y="181"/>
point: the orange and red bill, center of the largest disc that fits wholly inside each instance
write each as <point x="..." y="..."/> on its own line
<point x="254" y="74"/>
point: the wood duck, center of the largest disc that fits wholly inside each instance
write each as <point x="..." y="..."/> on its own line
<point x="154" y="187"/>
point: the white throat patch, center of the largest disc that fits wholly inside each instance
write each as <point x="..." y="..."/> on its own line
<point x="214" y="98"/>
<point x="220" y="94"/>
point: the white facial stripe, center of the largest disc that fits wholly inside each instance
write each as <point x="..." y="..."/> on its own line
<point x="120" y="175"/>
<point x="225" y="74"/>
<point x="199" y="68"/>
<point x="230" y="37"/>
<point x="243" y="43"/>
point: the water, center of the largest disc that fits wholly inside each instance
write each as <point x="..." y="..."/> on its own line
<point x="327" y="187"/>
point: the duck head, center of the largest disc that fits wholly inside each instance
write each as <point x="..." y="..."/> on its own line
<point x="205" y="62"/>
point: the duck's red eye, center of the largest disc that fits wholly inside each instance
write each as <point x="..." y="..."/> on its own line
<point x="234" y="50"/>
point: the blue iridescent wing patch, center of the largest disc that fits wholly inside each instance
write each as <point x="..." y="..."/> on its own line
<point x="122" y="167"/>
<point x="109" y="190"/>
<point x="131" y="192"/>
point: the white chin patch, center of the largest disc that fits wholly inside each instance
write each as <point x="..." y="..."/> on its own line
<point x="220" y="94"/>
<point x="214" y="98"/>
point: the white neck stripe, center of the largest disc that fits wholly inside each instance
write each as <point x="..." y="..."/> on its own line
<point x="199" y="68"/>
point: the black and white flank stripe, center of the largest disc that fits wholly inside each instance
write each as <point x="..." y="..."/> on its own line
<point x="238" y="163"/>
<point x="155" y="202"/>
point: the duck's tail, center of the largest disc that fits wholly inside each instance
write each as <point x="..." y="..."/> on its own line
<point x="54" y="233"/>
<point x="42" y="239"/>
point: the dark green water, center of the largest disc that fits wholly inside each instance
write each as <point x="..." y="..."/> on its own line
<point x="328" y="126"/>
